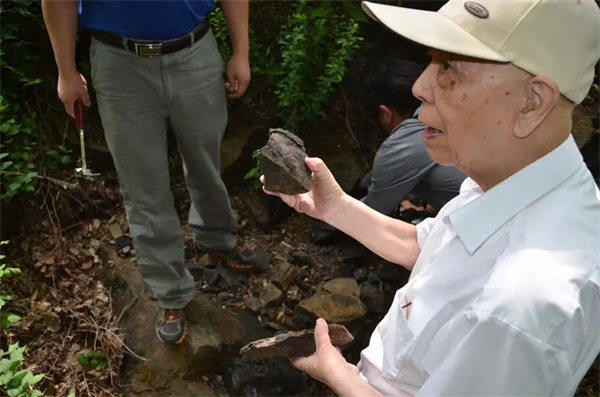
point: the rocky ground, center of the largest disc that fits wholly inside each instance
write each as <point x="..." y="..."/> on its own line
<point x="88" y="321"/>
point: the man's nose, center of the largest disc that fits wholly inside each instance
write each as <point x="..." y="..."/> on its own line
<point x="421" y="89"/>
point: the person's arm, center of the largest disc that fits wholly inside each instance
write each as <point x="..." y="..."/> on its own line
<point x="60" y="17"/>
<point x="389" y="238"/>
<point x="392" y="239"/>
<point x="328" y="366"/>
<point x="238" y="67"/>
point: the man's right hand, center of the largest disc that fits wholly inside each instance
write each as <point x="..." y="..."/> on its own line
<point x="71" y="87"/>
<point x="325" y="196"/>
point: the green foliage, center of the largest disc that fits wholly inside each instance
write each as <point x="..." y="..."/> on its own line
<point x="14" y="381"/>
<point x="6" y="318"/>
<point x="218" y="24"/>
<point x="22" y="152"/>
<point x="262" y="64"/>
<point x="92" y="360"/>
<point x="18" y="141"/>
<point x="314" y="47"/>
<point x="316" y="43"/>
<point x="254" y="175"/>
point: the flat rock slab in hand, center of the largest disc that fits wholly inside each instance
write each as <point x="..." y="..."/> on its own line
<point x="294" y="343"/>
<point x="281" y="161"/>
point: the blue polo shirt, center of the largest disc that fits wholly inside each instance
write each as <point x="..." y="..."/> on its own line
<point x="144" y="19"/>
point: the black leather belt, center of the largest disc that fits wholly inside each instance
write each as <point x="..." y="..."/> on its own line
<point x="149" y="48"/>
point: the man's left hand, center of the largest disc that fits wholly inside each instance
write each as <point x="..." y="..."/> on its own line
<point x="238" y="75"/>
<point x="326" y="364"/>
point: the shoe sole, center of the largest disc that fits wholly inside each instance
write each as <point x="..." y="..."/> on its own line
<point x="180" y="340"/>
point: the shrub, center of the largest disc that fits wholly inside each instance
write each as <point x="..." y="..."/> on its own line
<point x="14" y="381"/>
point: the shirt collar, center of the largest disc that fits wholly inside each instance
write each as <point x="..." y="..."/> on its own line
<point x="477" y="220"/>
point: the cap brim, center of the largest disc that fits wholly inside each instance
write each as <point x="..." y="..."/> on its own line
<point x="430" y="29"/>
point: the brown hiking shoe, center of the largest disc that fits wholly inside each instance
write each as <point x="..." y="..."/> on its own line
<point x="240" y="259"/>
<point x="171" y="326"/>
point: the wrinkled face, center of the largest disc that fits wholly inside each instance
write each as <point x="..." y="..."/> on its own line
<point x="470" y="107"/>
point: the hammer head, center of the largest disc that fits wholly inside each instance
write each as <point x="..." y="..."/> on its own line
<point x="85" y="173"/>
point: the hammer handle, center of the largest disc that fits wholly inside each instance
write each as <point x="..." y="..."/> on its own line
<point x="79" y="114"/>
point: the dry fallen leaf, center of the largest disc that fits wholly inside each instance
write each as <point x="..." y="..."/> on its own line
<point x="87" y="265"/>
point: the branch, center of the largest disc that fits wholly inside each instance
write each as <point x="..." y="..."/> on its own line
<point x="65" y="185"/>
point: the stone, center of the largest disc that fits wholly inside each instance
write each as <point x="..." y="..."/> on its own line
<point x="294" y="343"/>
<point x="252" y="303"/>
<point x="271" y="295"/>
<point x="392" y="274"/>
<point x="274" y="377"/>
<point x="213" y="332"/>
<point x="205" y="345"/>
<point x="181" y="387"/>
<point x="334" y="307"/>
<point x="283" y="274"/>
<point x="115" y="230"/>
<point x="257" y="209"/>
<point x="373" y="296"/>
<point x="583" y="128"/>
<point x="360" y="274"/>
<point x="281" y="161"/>
<point x="342" y="286"/>
<point x="300" y="257"/>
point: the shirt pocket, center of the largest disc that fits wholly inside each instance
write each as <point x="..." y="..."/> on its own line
<point x="397" y="340"/>
<point x="404" y="361"/>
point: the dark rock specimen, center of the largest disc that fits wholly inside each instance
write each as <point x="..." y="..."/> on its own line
<point x="281" y="161"/>
<point x="294" y="343"/>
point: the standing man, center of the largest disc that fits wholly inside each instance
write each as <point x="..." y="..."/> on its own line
<point x="156" y="63"/>
<point x="504" y="292"/>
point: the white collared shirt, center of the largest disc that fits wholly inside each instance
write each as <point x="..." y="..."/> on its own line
<point x="505" y="295"/>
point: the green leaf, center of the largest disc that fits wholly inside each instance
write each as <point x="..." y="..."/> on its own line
<point x="13" y="318"/>
<point x="81" y="359"/>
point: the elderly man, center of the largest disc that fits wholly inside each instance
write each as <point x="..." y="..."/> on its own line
<point x="504" y="294"/>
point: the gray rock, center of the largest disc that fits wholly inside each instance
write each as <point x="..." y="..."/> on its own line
<point x="283" y="274"/>
<point x="271" y="295"/>
<point x="373" y="296"/>
<point x="212" y="330"/>
<point x="281" y="161"/>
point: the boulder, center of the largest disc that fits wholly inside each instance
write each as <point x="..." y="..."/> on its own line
<point x="281" y="161"/>
<point x="334" y="307"/>
<point x="342" y="286"/>
<point x="213" y="333"/>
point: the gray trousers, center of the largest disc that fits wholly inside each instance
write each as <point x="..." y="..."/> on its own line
<point x="137" y="97"/>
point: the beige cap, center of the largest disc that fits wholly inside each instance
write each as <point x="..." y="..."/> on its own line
<point x="558" y="39"/>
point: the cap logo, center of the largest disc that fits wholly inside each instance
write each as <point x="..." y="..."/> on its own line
<point x="476" y="9"/>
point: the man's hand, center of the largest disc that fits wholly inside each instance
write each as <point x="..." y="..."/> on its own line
<point x="324" y="197"/>
<point x="238" y="75"/>
<point x="326" y="364"/>
<point x="71" y="87"/>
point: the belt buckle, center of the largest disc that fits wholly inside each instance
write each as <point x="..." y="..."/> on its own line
<point x="147" y="49"/>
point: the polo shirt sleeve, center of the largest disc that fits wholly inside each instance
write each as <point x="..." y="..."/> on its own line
<point x="482" y="355"/>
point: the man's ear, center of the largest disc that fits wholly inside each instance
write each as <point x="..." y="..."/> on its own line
<point x="385" y="116"/>
<point x="541" y="97"/>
